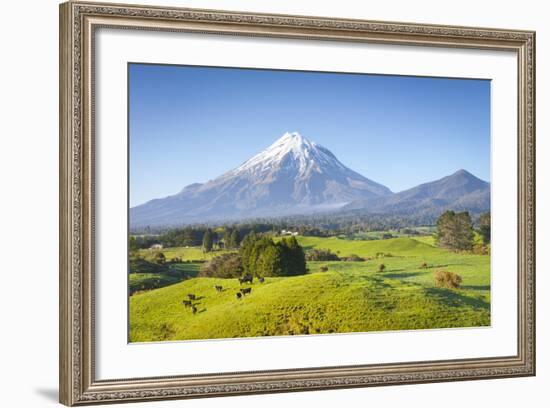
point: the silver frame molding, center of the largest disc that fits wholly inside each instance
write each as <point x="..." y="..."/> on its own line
<point x="78" y="22"/>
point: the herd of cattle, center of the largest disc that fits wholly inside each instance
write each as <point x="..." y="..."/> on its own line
<point x="239" y="295"/>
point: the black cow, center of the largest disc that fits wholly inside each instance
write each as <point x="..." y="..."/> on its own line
<point x="246" y="291"/>
<point x="239" y="295"/>
<point x="186" y="303"/>
<point x="191" y="296"/>
<point x="218" y="288"/>
<point x="246" y="279"/>
<point x="194" y="309"/>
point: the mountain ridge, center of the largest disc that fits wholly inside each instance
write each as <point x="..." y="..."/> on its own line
<point x="458" y="191"/>
<point x="295" y="176"/>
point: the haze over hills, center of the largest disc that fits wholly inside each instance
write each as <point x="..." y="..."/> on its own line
<point x="295" y="176"/>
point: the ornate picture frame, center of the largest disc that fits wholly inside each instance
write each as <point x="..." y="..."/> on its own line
<point x="78" y="24"/>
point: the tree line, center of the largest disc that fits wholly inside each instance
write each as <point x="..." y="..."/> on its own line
<point x="222" y="236"/>
<point x="319" y="225"/>
<point x="455" y="230"/>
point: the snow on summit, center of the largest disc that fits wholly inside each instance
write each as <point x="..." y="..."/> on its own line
<point x="308" y="155"/>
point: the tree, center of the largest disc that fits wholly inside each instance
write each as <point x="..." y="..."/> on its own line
<point x="207" y="241"/>
<point x="484" y="227"/>
<point x="234" y="239"/>
<point x="159" y="258"/>
<point x="245" y="251"/>
<point x="255" y="262"/>
<point x="133" y="247"/>
<point x="295" y="259"/>
<point x="271" y="261"/>
<point x="454" y="231"/>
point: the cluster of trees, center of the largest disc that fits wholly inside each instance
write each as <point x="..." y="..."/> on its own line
<point x="455" y="230"/>
<point x="258" y="256"/>
<point x="261" y="256"/>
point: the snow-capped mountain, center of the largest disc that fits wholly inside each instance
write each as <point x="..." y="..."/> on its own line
<point x="292" y="176"/>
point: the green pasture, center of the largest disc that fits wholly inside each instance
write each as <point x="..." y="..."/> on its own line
<point x="185" y="253"/>
<point x="348" y="297"/>
<point x="164" y="275"/>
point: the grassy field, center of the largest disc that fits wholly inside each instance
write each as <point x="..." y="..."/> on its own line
<point x="170" y="274"/>
<point x="349" y="297"/>
<point x="370" y="235"/>
<point x="185" y="253"/>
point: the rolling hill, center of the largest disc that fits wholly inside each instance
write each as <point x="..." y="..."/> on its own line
<point x="349" y="297"/>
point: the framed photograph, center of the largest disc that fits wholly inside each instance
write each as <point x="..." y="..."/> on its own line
<point x="256" y="203"/>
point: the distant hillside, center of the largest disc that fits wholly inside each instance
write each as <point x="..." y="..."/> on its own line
<point x="459" y="191"/>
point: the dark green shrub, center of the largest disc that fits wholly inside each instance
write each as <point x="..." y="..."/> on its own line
<point x="321" y="255"/>
<point x="223" y="266"/>
<point x="159" y="258"/>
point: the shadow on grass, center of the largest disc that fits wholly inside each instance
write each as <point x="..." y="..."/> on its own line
<point x="453" y="298"/>
<point x="378" y="282"/>
<point x="402" y="275"/>
<point x="476" y="287"/>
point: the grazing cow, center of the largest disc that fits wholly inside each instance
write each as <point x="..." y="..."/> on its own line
<point x="239" y="295"/>
<point x="261" y="279"/>
<point x="246" y="291"/>
<point x="191" y="296"/>
<point x="194" y="309"/>
<point x="246" y="279"/>
<point x="218" y="288"/>
<point x="186" y="303"/>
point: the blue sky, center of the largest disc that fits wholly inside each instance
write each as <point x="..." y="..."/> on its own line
<point x="191" y="124"/>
